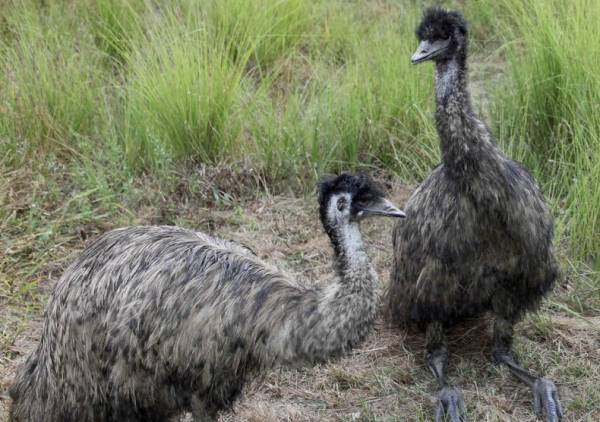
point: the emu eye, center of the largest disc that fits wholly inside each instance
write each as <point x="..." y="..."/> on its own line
<point x="341" y="205"/>
<point x="363" y="201"/>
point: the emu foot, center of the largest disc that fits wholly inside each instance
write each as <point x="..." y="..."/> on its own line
<point x="451" y="406"/>
<point x="545" y="400"/>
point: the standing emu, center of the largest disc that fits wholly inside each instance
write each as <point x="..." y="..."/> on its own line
<point x="151" y="321"/>
<point x="478" y="236"/>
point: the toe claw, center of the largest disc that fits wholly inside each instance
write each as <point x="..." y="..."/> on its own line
<point x="537" y="405"/>
<point x="451" y="405"/>
<point x="545" y="400"/>
<point x="439" y="413"/>
<point x="559" y="409"/>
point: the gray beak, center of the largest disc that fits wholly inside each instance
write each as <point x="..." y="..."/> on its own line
<point x="428" y="50"/>
<point x="383" y="208"/>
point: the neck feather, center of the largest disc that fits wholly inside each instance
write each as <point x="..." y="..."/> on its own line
<point x="465" y="140"/>
<point x="346" y="310"/>
<point x="352" y="262"/>
<point x="332" y="319"/>
<point x="451" y="81"/>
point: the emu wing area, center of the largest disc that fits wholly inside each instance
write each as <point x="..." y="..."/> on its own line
<point x="462" y="243"/>
<point x="156" y="313"/>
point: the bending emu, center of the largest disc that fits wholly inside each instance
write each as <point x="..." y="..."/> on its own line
<point x="151" y="321"/>
<point x="478" y="236"/>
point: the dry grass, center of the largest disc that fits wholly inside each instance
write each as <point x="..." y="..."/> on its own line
<point x="383" y="380"/>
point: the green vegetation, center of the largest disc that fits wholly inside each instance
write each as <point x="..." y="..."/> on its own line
<point x="116" y="112"/>
<point x="102" y="96"/>
<point x="295" y="88"/>
<point x="108" y="108"/>
<point x="549" y="114"/>
<point x="119" y="90"/>
<point x="298" y="88"/>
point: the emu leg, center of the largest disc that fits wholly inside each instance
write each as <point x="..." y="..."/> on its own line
<point x="450" y="403"/>
<point x="545" y="395"/>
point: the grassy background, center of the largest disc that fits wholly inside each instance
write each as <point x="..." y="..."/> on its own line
<point x="293" y="89"/>
<point x="116" y="112"/>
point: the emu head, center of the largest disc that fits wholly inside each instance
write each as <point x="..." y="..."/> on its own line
<point x="442" y="35"/>
<point x="350" y="198"/>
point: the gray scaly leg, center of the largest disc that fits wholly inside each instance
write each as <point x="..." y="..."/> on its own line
<point x="545" y="394"/>
<point x="450" y="403"/>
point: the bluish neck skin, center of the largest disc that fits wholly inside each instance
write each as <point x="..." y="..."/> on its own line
<point x="451" y="81"/>
<point x="351" y="257"/>
<point x="352" y="262"/>
<point x="346" y="240"/>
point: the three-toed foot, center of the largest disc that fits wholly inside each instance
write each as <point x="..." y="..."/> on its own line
<point x="451" y="406"/>
<point x="545" y="400"/>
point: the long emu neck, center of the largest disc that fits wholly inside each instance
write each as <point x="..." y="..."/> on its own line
<point x="451" y="80"/>
<point x="465" y="140"/>
<point x="338" y="316"/>
<point x="352" y="262"/>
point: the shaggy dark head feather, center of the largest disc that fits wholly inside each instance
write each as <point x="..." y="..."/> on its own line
<point x="361" y="188"/>
<point x="440" y="24"/>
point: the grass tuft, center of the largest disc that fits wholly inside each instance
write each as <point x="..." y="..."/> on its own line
<point x="549" y="113"/>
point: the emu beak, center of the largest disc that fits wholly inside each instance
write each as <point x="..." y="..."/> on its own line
<point x="383" y="208"/>
<point x="428" y="50"/>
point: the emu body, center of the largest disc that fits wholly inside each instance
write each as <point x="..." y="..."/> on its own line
<point x="478" y="237"/>
<point x="151" y="321"/>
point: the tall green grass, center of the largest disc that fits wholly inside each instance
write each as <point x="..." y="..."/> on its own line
<point x="549" y="114"/>
<point x="230" y="80"/>
<point x="116" y="24"/>
<point x="361" y="105"/>
<point x="50" y="86"/>
<point x="292" y="88"/>
<point x="298" y="88"/>
<point x="180" y="100"/>
<point x="256" y="32"/>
